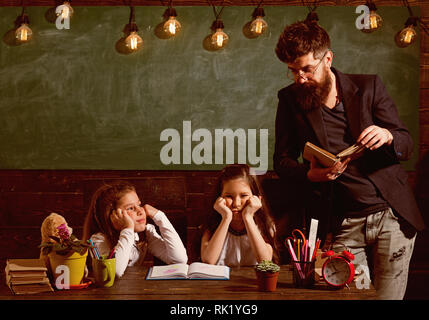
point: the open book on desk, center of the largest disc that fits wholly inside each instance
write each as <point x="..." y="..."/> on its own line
<point x="328" y="159"/>
<point x="196" y="270"/>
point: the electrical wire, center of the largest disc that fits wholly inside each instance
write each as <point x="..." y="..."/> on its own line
<point x="423" y="25"/>
<point x="311" y="9"/>
<point x="217" y="15"/>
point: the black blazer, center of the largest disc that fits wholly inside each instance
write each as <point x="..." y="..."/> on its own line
<point x="366" y="103"/>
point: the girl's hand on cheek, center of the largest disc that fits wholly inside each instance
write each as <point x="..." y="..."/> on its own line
<point x="253" y="204"/>
<point x="121" y="220"/>
<point x="221" y="207"/>
<point x="150" y="211"/>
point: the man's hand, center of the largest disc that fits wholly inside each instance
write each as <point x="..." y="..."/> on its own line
<point x="319" y="174"/>
<point x="374" y="137"/>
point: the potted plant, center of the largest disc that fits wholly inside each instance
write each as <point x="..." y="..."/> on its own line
<point x="267" y="273"/>
<point x="67" y="251"/>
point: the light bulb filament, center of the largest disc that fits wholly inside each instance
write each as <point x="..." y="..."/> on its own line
<point x="23" y="33"/>
<point x="219" y="39"/>
<point x="172" y="28"/>
<point x="373" y="22"/>
<point x="258" y="27"/>
<point x="23" y="36"/>
<point x="408" y="36"/>
<point x="133" y="43"/>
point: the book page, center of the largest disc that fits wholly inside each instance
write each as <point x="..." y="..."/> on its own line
<point x="24" y="274"/>
<point x="31" y="289"/>
<point x="25" y="265"/>
<point x="204" y="270"/>
<point x="29" y="280"/>
<point x="324" y="157"/>
<point x="178" y="270"/>
<point x="354" y="149"/>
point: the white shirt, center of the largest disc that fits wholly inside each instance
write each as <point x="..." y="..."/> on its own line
<point x="168" y="246"/>
<point x="237" y="251"/>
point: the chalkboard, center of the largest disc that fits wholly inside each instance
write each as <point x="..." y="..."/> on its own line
<point x="70" y="100"/>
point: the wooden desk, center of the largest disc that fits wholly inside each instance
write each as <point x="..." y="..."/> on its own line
<point x="241" y="286"/>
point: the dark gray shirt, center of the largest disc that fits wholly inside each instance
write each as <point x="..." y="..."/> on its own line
<point x="354" y="194"/>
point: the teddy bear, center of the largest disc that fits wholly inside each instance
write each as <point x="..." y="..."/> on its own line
<point x="50" y="228"/>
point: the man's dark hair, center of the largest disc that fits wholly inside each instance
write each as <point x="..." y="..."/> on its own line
<point x="301" y="38"/>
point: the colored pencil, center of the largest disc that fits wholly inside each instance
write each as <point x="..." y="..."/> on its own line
<point x="95" y="249"/>
<point x="305" y="251"/>
<point x="292" y="253"/>
<point x="299" y="247"/>
<point x="315" y="249"/>
<point x="111" y="254"/>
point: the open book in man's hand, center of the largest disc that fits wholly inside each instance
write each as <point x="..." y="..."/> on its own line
<point x="196" y="270"/>
<point x="326" y="158"/>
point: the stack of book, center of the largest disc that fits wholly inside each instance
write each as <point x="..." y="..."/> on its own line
<point x="27" y="276"/>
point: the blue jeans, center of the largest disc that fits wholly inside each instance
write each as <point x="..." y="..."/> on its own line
<point x="384" y="243"/>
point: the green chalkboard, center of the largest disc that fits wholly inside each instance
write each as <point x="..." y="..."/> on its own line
<point x="70" y="100"/>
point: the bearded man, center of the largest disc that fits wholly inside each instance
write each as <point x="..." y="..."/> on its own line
<point x="369" y="205"/>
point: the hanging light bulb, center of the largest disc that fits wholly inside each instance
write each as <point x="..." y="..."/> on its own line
<point x="66" y="10"/>
<point x="258" y="25"/>
<point x="133" y="41"/>
<point x="408" y="34"/>
<point x="219" y="39"/>
<point x="171" y="26"/>
<point x="374" y="20"/>
<point x="23" y="33"/>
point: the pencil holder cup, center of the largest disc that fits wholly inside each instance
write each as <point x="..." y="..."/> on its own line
<point x="104" y="271"/>
<point x="303" y="273"/>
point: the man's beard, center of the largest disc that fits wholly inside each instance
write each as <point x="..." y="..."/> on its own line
<point x="311" y="95"/>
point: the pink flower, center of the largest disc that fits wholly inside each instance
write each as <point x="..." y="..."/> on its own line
<point x="63" y="232"/>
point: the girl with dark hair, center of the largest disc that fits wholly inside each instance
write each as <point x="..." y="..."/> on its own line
<point x="240" y="230"/>
<point x="116" y="217"/>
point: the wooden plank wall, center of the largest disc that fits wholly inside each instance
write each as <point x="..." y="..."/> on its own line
<point x="419" y="270"/>
<point x="27" y="196"/>
<point x="18" y="3"/>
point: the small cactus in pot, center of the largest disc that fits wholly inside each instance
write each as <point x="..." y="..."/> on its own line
<point x="267" y="266"/>
<point x="267" y="273"/>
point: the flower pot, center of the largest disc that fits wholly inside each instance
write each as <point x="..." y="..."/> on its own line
<point x="70" y="268"/>
<point x="267" y="281"/>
